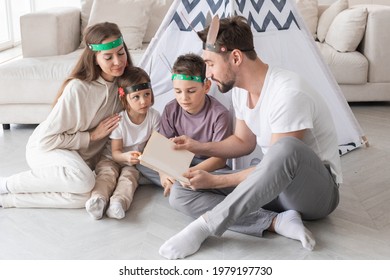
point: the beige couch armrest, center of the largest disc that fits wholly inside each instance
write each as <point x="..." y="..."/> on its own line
<point x="376" y="42"/>
<point x="51" y="32"/>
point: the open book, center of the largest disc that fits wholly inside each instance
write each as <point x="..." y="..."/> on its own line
<point x="160" y="156"/>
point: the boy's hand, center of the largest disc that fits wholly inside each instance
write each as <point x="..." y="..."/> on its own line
<point x="166" y="183"/>
<point x="185" y="143"/>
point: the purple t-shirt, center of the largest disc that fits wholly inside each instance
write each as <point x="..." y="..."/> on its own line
<point x="212" y="124"/>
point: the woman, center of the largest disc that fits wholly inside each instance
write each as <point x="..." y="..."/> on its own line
<point x="63" y="150"/>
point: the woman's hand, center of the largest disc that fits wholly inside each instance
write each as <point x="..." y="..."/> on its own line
<point x="104" y="128"/>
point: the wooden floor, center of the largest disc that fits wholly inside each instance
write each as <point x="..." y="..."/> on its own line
<point x="358" y="229"/>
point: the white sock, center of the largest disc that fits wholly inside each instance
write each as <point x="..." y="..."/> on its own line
<point x="95" y="207"/>
<point x="187" y="241"/>
<point x="3" y="185"/>
<point x="115" y="210"/>
<point x="289" y="224"/>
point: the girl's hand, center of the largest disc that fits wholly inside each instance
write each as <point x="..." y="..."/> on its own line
<point x="104" y="128"/>
<point x="132" y="157"/>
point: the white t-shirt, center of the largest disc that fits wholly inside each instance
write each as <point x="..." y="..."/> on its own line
<point x="135" y="136"/>
<point x="287" y="103"/>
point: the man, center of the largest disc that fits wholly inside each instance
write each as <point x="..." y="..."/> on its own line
<point x="276" y="109"/>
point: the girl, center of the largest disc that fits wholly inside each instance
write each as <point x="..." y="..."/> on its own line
<point x="63" y="149"/>
<point x="116" y="175"/>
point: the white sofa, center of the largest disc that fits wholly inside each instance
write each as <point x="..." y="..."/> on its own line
<point x="51" y="45"/>
<point x="363" y="74"/>
<point x="51" y="41"/>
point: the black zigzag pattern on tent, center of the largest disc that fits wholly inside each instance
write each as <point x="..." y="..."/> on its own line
<point x="199" y="19"/>
<point x="279" y="4"/>
<point x="214" y="6"/>
<point x="270" y="18"/>
<point x="190" y="5"/>
<point x="253" y="19"/>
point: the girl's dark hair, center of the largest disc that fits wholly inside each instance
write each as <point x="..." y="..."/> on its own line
<point x="132" y="76"/>
<point x="190" y="64"/>
<point x="234" y="33"/>
<point x="86" y="68"/>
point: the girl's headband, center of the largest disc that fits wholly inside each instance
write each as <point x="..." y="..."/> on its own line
<point x="187" y="78"/>
<point x="127" y="90"/>
<point x="106" y="46"/>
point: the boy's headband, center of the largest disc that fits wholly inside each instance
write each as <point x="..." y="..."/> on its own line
<point x="187" y="78"/>
<point x="106" y="46"/>
<point x="135" y="88"/>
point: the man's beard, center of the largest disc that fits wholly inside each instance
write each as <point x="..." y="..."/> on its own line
<point x="225" y="87"/>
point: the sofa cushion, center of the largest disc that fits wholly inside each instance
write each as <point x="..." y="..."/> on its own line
<point x="348" y="67"/>
<point x="308" y="9"/>
<point x="132" y="17"/>
<point x="159" y="8"/>
<point x="24" y="78"/>
<point x="347" y="29"/>
<point x="328" y="16"/>
<point x="86" y="6"/>
<point x="29" y="80"/>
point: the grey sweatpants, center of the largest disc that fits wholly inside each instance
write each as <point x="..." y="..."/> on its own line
<point x="289" y="177"/>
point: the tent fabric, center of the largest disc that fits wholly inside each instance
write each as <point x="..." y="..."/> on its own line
<point x="281" y="39"/>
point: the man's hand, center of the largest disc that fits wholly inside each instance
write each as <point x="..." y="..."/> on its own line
<point x="104" y="128"/>
<point x="200" y="179"/>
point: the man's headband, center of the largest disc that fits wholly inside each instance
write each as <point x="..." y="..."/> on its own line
<point x="211" y="43"/>
<point x="135" y="88"/>
<point x="106" y="46"/>
<point x="187" y="78"/>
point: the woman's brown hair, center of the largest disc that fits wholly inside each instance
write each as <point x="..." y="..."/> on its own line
<point x="86" y="68"/>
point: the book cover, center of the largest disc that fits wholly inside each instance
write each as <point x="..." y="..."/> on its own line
<point x="160" y="156"/>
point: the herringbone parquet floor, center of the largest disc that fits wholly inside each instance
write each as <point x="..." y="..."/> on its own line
<point x="358" y="229"/>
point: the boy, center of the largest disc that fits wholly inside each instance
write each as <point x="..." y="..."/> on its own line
<point x="193" y="113"/>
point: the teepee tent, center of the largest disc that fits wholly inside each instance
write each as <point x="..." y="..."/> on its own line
<point x="281" y="39"/>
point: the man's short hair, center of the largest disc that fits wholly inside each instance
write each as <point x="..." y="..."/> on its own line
<point x="234" y="33"/>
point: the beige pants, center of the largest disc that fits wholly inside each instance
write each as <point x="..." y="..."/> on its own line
<point x="115" y="182"/>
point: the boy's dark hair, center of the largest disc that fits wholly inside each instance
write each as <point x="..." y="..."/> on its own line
<point x="234" y="33"/>
<point x="190" y="64"/>
<point x="132" y="76"/>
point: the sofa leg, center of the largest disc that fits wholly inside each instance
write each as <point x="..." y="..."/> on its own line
<point x="6" y="126"/>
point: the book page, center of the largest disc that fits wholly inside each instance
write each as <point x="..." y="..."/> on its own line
<point x="160" y="156"/>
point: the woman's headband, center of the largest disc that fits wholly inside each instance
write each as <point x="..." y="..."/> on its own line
<point x="106" y="46"/>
